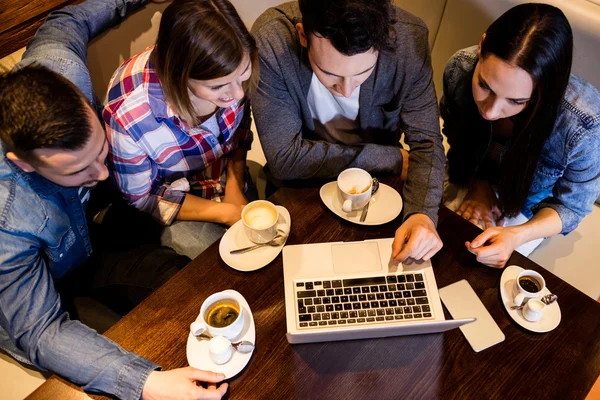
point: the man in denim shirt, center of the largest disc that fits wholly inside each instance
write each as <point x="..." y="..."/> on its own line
<point x="53" y="152"/>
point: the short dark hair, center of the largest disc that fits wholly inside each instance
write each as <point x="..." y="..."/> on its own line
<point x="352" y="26"/>
<point x="538" y="39"/>
<point x="40" y="109"/>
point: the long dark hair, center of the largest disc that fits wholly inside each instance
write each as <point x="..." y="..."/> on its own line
<point x="203" y="40"/>
<point x="538" y="39"/>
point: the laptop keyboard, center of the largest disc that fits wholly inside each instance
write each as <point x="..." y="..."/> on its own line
<point x="361" y="301"/>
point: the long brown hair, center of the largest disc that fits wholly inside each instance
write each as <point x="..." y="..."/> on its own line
<point x="538" y="39"/>
<point x="203" y="40"/>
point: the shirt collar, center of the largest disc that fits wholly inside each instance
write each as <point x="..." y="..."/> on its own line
<point x="40" y="185"/>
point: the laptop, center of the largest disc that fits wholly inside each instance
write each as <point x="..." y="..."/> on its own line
<point x="351" y="290"/>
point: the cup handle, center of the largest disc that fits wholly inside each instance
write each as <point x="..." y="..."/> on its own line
<point x="519" y="299"/>
<point x="281" y="227"/>
<point x="347" y="206"/>
<point x="197" y="328"/>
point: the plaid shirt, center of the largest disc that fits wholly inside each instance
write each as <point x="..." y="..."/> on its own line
<point x="151" y="146"/>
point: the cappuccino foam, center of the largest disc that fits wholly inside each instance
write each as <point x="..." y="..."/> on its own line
<point x="260" y="217"/>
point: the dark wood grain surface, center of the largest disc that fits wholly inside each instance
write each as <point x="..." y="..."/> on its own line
<point x="19" y="19"/>
<point x="562" y="364"/>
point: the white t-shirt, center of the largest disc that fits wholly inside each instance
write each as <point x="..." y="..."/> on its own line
<point x="335" y="118"/>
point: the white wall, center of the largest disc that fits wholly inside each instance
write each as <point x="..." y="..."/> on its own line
<point x="464" y="21"/>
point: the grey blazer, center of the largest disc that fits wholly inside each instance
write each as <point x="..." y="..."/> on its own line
<point x="397" y="98"/>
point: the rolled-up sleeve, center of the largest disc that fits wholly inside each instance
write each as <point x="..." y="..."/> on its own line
<point x="137" y="176"/>
<point x="576" y="190"/>
<point x="32" y="315"/>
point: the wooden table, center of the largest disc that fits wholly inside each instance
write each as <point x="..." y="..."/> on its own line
<point x="562" y="364"/>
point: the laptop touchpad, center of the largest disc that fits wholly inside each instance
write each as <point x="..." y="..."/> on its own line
<point x="354" y="258"/>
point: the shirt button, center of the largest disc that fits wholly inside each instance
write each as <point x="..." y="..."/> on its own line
<point x="82" y="227"/>
<point x="60" y="255"/>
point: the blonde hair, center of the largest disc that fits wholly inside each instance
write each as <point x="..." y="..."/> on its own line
<point x="201" y="40"/>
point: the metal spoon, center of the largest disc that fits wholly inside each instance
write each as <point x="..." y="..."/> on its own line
<point x="547" y="299"/>
<point x="374" y="190"/>
<point x="276" y="241"/>
<point x="243" y="346"/>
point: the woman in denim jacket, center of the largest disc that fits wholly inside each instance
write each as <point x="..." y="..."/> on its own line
<point x="524" y="134"/>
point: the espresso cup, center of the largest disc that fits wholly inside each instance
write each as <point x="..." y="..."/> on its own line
<point x="354" y="186"/>
<point x="533" y="310"/>
<point x="529" y="285"/>
<point x="220" y="315"/>
<point x="260" y="219"/>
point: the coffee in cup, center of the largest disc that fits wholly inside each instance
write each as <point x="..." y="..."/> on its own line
<point x="529" y="285"/>
<point x="354" y="188"/>
<point x="261" y="216"/>
<point x="220" y="315"/>
<point x="260" y="219"/>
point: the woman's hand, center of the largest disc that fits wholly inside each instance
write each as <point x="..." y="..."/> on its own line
<point x="480" y="206"/>
<point x="495" y="246"/>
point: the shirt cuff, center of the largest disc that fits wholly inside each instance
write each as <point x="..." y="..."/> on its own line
<point x="132" y="378"/>
<point x="569" y="218"/>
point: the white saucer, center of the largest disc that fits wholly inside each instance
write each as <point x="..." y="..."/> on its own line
<point x="385" y="205"/>
<point x="550" y="318"/>
<point x="235" y="238"/>
<point x="197" y="349"/>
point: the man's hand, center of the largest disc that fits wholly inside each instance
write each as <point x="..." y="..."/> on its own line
<point x="182" y="384"/>
<point x="480" y="206"/>
<point x="494" y="246"/>
<point x="416" y="239"/>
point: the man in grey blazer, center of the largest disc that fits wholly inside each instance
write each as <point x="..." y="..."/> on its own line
<point x="341" y="80"/>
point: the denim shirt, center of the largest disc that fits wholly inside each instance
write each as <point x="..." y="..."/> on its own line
<point x="567" y="178"/>
<point x="44" y="234"/>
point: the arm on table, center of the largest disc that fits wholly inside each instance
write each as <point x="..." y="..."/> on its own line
<point x="495" y="245"/>
<point x="136" y="176"/>
<point x="417" y="237"/>
<point x="573" y="197"/>
<point x="32" y="315"/>
<point x="289" y="155"/>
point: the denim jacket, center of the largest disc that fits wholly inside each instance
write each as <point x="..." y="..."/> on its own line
<point x="44" y="234"/>
<point x="567" y="178"/>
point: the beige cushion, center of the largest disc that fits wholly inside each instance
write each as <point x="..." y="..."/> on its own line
<point x="464" y="21"/>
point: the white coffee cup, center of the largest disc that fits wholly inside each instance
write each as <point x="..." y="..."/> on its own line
<point x="231" y="331"/>
<point x="260" y="219"/>
<point x="354" y="186"/>
<point x="534" y="291"/>
<point x="533" y="310"/>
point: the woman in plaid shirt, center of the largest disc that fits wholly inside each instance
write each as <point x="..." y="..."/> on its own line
<point x="178" y="123"/>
